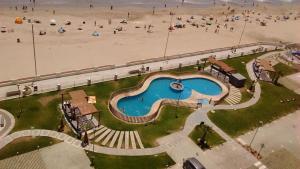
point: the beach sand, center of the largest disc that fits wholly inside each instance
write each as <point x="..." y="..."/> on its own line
<point x="78" y="49"/>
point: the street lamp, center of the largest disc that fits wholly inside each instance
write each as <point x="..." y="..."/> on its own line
<point x="261" y="147"/>
<point x="20" y="105"/>
<point x="261" y="123"/>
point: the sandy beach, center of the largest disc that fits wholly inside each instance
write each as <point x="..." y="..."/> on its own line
<point x="78" y="49"/>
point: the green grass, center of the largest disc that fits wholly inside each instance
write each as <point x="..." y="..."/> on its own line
<point x="212" y="138"/>
<point x="171" y="119"/>
<point x="24" y="145"/>
<point x="239" y="63"/>
<point x="268" y="108"/>
<point x="34" y="114"/>
<point x="159" y="161"/>
<point x="284" y="69"/>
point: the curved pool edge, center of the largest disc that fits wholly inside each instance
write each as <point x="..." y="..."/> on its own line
<point x="154" y="111"/>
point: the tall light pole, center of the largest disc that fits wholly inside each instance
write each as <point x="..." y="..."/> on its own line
<point x="260" y="124"/>
<point x="34" y="53"/>
<point x="166" y="46"/>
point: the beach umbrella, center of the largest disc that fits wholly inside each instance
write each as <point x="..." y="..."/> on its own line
<point x="18" y="20"/>
<point x="95" y="33"/>
<point x="52" y="22"/>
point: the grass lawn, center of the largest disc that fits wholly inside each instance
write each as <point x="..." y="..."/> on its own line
<point x="37" y="113"/>
<point x="239" y="63"/>
<point x="159" y="161"/>
<point x="24" y="145"/>
<point x="285" y="69"/>
<point x="268" y="108"/>
<point x="212" y="138"/>
<point x="40" y="111"/>
<point x="170" y="120"/>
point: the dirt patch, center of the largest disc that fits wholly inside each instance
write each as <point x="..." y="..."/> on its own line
<point x="45" y="100"/>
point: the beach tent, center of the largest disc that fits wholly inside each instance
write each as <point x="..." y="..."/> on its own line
<point x="95" y="33"/>
<point x="18" y="20"/>
<point x="61" y="30"/>
<point x="52" y="22"/>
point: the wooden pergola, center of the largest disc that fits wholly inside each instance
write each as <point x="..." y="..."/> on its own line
<point x="79" y="110"/>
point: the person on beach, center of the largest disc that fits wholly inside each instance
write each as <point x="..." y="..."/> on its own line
<point x="111" y="7"/>
<point x="153" y="10"/>
<point x="128" y="15"/>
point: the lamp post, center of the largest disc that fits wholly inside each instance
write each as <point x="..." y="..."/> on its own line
<point x="20" y="105"/>
<point x="34" y="53"/>
<point x="166" y="46"/>
<point x="261" y="123"/>
<point x="261" y="147"/>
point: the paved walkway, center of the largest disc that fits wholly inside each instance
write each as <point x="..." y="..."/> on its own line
<point x="58" y="156"/>
<point x="123" y="71"/>
<point x="9" y="123"/>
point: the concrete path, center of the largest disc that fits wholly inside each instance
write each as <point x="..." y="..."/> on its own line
<point x="284" y="133"/>
<point x="58" y="156"/>
<point x="97" y="76"/>
<point x="9" y="123"/>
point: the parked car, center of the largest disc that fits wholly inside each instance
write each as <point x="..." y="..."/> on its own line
<point x="192" y="163"/>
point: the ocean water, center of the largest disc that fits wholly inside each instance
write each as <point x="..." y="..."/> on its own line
<point x="145" y="3"/>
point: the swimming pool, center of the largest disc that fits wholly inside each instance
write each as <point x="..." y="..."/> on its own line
<point x="159" y="88"/>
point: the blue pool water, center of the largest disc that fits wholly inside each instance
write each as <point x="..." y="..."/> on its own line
<point x="159" y="88"/>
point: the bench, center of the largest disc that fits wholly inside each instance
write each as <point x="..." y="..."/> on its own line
<point x="13" y="93"/>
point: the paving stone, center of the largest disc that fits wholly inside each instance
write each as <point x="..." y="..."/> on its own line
<point x="92" y="130"/>
<point x="112" y="143"/>
<point x="92" y="136"/>
<point x="120" y="141"/>
<point x="103" y="135"/>
<point x="126" y="139"/>
<point x="132" y="140"/>
<point x="109" y="136"/>
<point x="36" y="132"/>
<point x="139" y="141"/>
<point x="44" y="132"/>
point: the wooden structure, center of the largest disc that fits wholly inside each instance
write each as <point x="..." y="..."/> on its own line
<point x="263" y="69"/>
<point x="79" y="112"/>
<point x="222" y="68"/>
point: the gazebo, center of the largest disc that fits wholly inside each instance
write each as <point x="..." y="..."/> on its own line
<point x="263" y="69"/>
<point x="225" y="70"/>
<point x="79" y="112"/>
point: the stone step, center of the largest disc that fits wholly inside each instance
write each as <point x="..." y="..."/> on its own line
<point x="237" y="99"/>
<point x="109" y="136"/>
<point x="231" y="102"/>
<point x="103" y="135"/>
<point x="139" y="141"/>
<point x="92" y="136"/>
<point x="132" y="140"/>
<point x="114" y="139"/>
<point x="120" y="141"/>
<point x="126" y="139"/>
<point x="92" y="130"/>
